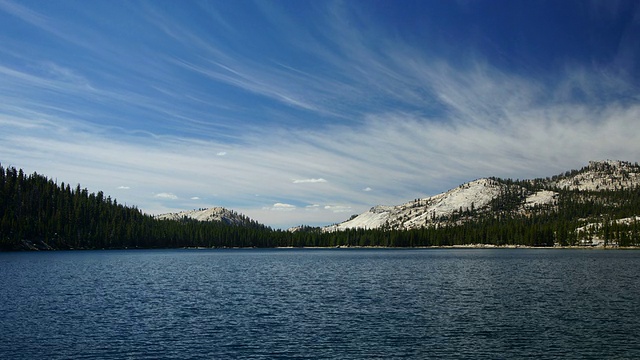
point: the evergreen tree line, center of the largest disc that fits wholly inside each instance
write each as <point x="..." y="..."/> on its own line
<point x="37" y="213"/>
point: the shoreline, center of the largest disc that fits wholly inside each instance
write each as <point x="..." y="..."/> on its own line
<point x="470" y="246"/>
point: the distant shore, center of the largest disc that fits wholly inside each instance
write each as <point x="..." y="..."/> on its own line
<point x="470" y="246"/>
<point x="40" y="247"/>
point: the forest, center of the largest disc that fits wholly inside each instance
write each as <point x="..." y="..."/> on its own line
<point x="36" y="213"/>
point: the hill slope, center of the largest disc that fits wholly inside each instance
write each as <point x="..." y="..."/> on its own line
<point x="493" y="196"/>
<point x="219" y="214"/>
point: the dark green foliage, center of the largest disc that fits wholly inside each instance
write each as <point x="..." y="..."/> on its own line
<point x="510" y="197"/>
<point x="37" y="213"/>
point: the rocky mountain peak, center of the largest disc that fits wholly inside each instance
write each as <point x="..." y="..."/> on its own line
<point x="219" y="214"/>
<point x="600" y="175"/>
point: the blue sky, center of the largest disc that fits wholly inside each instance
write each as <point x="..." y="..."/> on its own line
<point x="306" y="112"/>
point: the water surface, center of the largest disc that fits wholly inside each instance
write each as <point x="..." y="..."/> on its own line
<point x="333" y="303"/>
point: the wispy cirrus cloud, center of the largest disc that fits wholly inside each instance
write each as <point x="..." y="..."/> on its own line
<point x="166" y="195"/>
<point x="338" y="208"/>
<point x="413" y="155"/>
<point x="309" y="181"/>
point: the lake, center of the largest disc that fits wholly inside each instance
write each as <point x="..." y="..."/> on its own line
<point x="320" y="303"/>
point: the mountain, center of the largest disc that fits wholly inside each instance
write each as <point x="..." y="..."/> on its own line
<point x="218" y="214"/>
<point x="493" y="196"/>
<point x="596" y="205"/>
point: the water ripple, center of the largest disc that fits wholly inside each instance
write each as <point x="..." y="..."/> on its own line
<point x="310" y="304"/>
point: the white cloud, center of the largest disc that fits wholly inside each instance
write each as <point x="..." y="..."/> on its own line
<point x="195" y="198"/>
<point x="282" y="207"/>
<point x="123" y="188"/>
<point x="165" y="195"/>
<point x="413" y="157"/>
<point x="314" y="208"/>
<point x="221" y="153"/>
<point x="304" y="181"/>
<point x="367" y="189"/>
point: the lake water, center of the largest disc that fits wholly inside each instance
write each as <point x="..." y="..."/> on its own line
<point x="311" y="304"/>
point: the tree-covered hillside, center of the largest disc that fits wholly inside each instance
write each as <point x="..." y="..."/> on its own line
<point x="38" y="213"/>
<point x="612" y="214"/>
